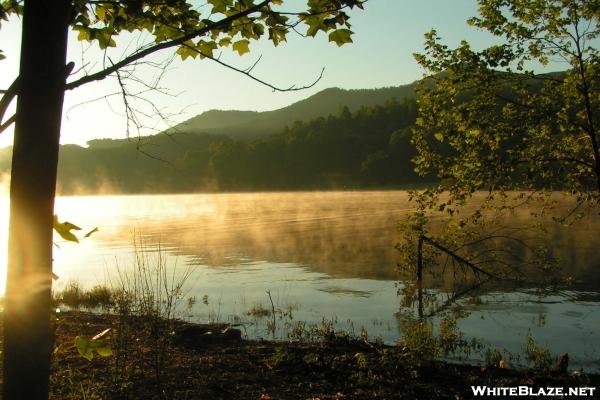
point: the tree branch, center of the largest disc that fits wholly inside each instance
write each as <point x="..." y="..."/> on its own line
<point x="457" y="257"/>
<point x="248" y="71"/>
<point x="8" y="97"/>
<point x="163" y="45"/>
<point x="8" y="123"/>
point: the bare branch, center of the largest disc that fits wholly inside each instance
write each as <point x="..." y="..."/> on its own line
<point x="457" y="257"/>
<point x="83" y="103"/>
<point x="248" y="70"/>
<point x="249" y="75"/>
<point x="128" y="115"/>
<point x="300" y="14"/>
<point x="138" y="108"/>
<point x="8" y="123"/>
<point x="8" y="97"/>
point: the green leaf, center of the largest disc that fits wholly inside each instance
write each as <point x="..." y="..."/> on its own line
<point x="241" y="46"/>
<point x="105" y="39"/>
<point x="86" y="347"/>
<point x="64" y="229"/>
<point x="225" y="42"/>
<point x="341" y="36"/>
<point x="104" y="351"/>
<point x="314" y="23"/>
<point x="187" y="50"/>
<point x="277" y="35"/>
<point x="206" y="48"/>
<point x="84" y="33"/>
<point x="219" y="6"/>
<point x="439" y="136"/>
<point x="82" y="345"/>
<point x="2" y="56"/>
<point x="101" y="13"/>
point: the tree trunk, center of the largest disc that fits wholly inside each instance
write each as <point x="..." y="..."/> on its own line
<point x="28" y="337"/>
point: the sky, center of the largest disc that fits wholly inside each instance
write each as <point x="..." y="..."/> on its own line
<point x="386" y="34"/>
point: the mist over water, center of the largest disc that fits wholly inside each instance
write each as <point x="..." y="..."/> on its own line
<point x="321" y="255"/>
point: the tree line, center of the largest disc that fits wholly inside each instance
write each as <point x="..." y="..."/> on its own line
<point x="368" y="148"/>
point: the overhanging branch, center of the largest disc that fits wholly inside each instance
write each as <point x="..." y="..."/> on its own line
<point x="7" y="98"/>
<point x="248" y="71"/>
<point x="8" y="123"/>
<point x="163" y="45"/>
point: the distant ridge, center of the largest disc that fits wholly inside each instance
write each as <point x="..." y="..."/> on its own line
<point x="249" y="125"/>
<point x="367" y="148"/>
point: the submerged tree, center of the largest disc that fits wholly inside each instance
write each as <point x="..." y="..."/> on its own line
<point x="490" y="127"/>
<point x="197" y="32"/>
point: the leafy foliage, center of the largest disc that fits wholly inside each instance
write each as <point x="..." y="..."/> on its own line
<point x="482" y="126"/>
<point x="64" y="230"/>
<point x="88" y="347"/>
<point x="194" y="27"/>
<point x="498" y="135"/>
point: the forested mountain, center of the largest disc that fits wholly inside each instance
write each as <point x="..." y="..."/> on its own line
<point x="335" y="139"/>
<point x="249" y="125"/>
<point x="352" y="146"/>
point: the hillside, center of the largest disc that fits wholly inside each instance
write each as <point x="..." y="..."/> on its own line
<point x="249" y="125"/>
<point x="334" y="139"/>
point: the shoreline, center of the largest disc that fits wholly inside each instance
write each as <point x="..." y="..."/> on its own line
<point x="337" y="367"/>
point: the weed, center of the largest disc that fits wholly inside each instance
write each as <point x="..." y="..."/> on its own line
<point x="279" y="357"/>
<point x="419" y="341"/>
<point x="75" y="297"/>
<point x="298" y="331"/>
<point x="71" y="296"/>
<point x="499" y="358"/>
<point x="538" y="356"/>
<point x="450" y="338"/>
<point x="99" y="296"/>
<point x="258" y="311"/>
<point x="147" y="301"/>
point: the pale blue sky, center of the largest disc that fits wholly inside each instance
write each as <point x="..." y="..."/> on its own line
<point x="387" y="33"/>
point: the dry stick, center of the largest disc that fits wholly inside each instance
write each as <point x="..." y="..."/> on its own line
<point x="456" y="296"/>
<point x="272" y="312"/>
<point x="248" y="71"/>
<point x="459" y="258"/>
<point x="475" y="269"/>
<point x="8" y="97"/>
<point x="423" y="238"/>
<point x="8" y="123"/>
<point x="420" y="276"/>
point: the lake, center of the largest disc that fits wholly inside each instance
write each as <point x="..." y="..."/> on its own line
<point x="323" y="256"/>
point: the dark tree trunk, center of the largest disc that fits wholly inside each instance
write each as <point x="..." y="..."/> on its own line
<point x="28" y="337"/>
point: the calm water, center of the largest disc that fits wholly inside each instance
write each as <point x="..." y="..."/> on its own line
<point x="322" y="255"/>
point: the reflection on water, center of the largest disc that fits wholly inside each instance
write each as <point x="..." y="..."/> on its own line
<point x="321" y="255"/>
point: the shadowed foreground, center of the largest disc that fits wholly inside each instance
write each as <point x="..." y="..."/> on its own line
<point x="228" y="368"/>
